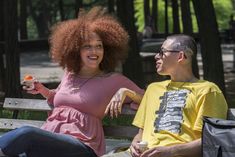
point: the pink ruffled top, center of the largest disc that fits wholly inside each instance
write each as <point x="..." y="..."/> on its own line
<point x="79" y="106"/>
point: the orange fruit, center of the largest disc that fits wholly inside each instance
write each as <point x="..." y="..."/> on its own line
<point x="28" y="77"/>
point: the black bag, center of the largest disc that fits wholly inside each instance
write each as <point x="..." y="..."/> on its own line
<point x="218" y="138"/>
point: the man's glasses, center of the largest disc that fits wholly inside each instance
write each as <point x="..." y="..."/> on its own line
<point x="162" y="51"/>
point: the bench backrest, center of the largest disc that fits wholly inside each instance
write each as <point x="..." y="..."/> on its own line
<point x="42" y="105"/>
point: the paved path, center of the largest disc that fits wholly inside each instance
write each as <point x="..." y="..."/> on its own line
<point x="39" y="65"/>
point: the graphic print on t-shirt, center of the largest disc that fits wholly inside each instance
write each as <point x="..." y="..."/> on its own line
<point x="170" y="113"/>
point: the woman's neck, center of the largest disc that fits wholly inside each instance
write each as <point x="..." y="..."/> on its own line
<point x="89" y="73"/>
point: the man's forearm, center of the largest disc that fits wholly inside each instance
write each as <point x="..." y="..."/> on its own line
<point x="191" y="149"/>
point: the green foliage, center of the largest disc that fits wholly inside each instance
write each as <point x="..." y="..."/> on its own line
<point x="223" y="11"/>
<point x="32" y="29"/>
<point x="34" y="115"/>
<point x="120" y="120"/>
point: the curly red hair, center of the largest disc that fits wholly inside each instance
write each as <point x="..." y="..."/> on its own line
<point x="67" y="38"/>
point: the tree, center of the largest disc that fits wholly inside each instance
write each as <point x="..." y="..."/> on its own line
<point x="41" y="14"/>
<point x="2" y="69"/>
<point x="78" y="5"/>
<point x="175" y="15"/>
<point x="23" y="19"/>
<point x="132" y="67"/>
<point x="210" y="42"/>
<point x="166" y="18"/>
<point x="186" y="17"/>
<point x="11" y="50"/>
<point x="188" y="29"/>
<point x="111" y="4"/>
<point x="146" y="13"/>
<point x="155" y="15"/>
<point x="61" y="10"/>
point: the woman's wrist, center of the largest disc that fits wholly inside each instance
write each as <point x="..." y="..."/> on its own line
<point x="45" y="92"/>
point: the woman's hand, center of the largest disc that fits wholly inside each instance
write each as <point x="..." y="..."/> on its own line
<point x="39" y="88"/>
<point x="115" y="105"/>
<point x="33" y="88"/>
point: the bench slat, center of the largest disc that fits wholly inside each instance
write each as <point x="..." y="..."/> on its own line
<point x="10" y="124"/>
<point x="26" y="104"/>
<point x="41" y="105"/>
<point x="126" y="110"/>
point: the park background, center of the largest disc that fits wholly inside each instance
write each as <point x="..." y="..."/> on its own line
<point x="25" y="27"/>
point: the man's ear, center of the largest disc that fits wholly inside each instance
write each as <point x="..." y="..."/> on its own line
<point x="181" y="56"/>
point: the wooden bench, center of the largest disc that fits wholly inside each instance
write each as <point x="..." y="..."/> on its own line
<point x="116" y="135"/>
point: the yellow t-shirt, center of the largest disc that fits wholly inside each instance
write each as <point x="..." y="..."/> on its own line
<point x="171" y="112"/>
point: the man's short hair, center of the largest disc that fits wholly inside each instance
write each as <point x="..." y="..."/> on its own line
<point x="182" y="42"/>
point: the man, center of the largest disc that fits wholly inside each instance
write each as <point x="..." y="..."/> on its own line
<point x="171" y="111"/>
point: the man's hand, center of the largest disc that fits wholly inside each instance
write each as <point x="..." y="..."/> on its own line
<point x="134" y="148"/>
<point x="158" y="152"/>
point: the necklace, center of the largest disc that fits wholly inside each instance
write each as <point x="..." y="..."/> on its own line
<point x="78" y="87"/>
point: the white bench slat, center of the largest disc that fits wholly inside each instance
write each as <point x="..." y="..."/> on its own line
<point x="41" y="105"/>
<point x="26" y="104"/>
<point x="10" y="124"/>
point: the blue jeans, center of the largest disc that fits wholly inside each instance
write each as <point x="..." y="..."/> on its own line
<point x="35" y="142"/>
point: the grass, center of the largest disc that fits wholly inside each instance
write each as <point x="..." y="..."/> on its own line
<point x="34" y="115"/>
<point x="120" y="120"/>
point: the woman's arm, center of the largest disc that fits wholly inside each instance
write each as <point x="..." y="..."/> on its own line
<point x="115" y="104"/>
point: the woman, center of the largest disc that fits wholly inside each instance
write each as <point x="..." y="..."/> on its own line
<point x="88" y="49"/>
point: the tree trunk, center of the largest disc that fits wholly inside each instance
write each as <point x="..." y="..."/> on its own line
<point x="146" y="13"/>
<point x="166" y="18"/>
<point x="2" y="69"/>
<point x="188" y="29"/>
<point x="175" y="15"/>
<point x="210" y="42"/>
<point x="186" y="17"/>
<point x="233" y="3"/>
<point x="23" y="19"/>
<point x="61" y="9"/>
<point x="11" y="48"/>
<point x="155" y="15"/>
<point x="111" y="4"/>
<point x="41" y="19"/>
<point x="133" y="65"/>
<point x="78" y="5"/>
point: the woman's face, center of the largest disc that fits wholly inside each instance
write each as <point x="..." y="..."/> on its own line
<point x="92" y="53"/>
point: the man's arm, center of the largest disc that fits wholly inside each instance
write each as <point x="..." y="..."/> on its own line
<point x="190" y="149"/>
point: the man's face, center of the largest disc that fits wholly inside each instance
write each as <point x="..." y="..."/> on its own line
<point x="166" y="60"/>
